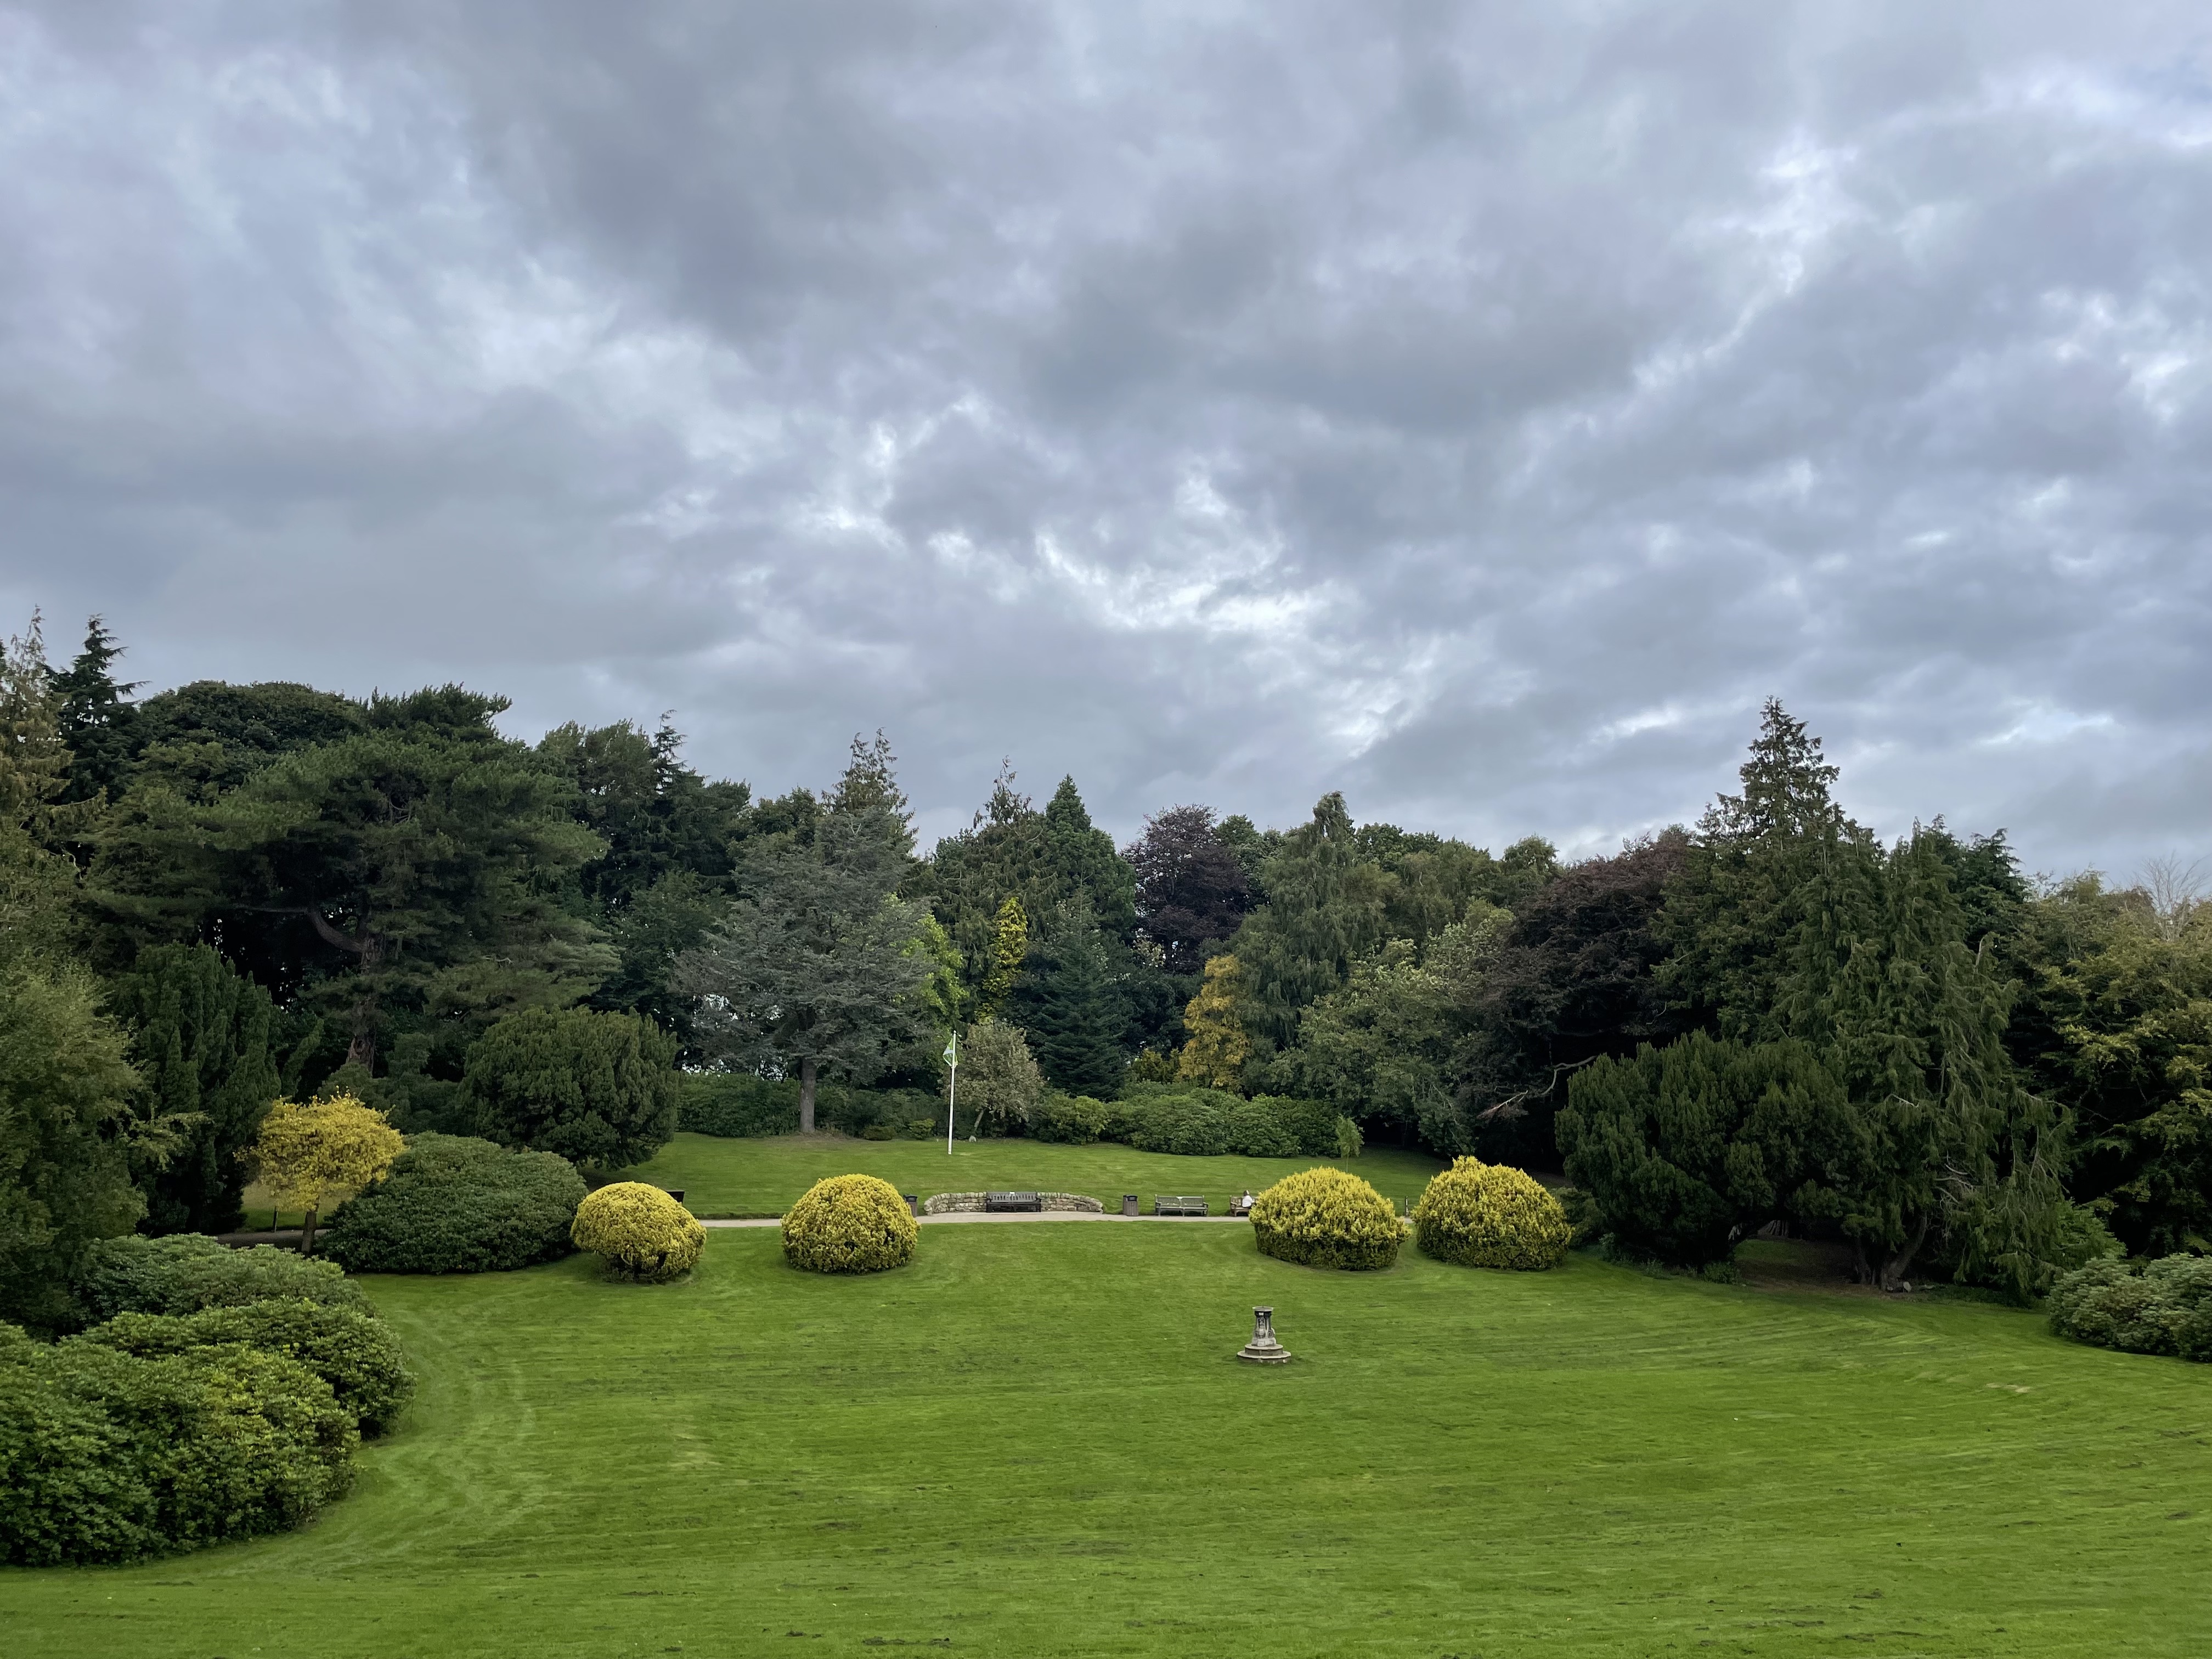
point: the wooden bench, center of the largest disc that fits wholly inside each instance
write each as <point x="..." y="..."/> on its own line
<point x="1164" y="1205"/>
<point x="1012" y="1201"/>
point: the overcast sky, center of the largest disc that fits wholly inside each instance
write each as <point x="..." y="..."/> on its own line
<point x="1479" y="408"/>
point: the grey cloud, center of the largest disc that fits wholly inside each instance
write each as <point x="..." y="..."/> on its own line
<point x="1476" y="408"/>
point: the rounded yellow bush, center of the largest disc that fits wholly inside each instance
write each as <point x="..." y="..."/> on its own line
<point x="1490" y="1215"/>
<point x="1323" y="1217"/>
<point x="849" y="1223"/>
<point x="641" y="1232"/>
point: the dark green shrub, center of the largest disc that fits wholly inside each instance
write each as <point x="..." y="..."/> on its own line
<point x="1197" y="1123"/>
<point x="736" y="1106"/>
<point x="452" y="1204"/>
<point x="921" y="1128"/>
<point x="851" y="1224"/>
<point x="2161" y="1307"/>
<point x="1685" y="1149"/>
<point x="599" y="1089"/>
<point x="1071" y="1120"/>
<point x="1324" y="1217"/>
<point x="353" y="1352"/>
<point x="106" y="1456"/>
<point x="187" y="1272"/>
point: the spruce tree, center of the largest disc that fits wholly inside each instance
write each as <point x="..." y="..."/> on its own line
<point x="1069" y="1004"/>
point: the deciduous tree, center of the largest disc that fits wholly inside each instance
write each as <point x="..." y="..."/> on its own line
<point x="332" y="1146"/>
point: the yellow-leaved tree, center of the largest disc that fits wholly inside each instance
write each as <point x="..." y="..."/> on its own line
<point x="307" y="1154"/>
<point x="1216" y="1050"/>
<point x="1009" y="943"/>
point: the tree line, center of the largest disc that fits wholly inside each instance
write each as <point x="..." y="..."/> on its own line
<point x="217" y="896"/>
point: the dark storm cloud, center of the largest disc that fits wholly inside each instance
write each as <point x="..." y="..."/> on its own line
<point x="1474" y="407"/>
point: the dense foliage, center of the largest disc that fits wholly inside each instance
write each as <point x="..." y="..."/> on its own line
<point x="598" y="1089"/>
<point x="350" y="1349"/>
<point x="107" y="1456"/>
<point x="219" y="896"/>
<point x="852" y="1224"/>
<point x="187" y="1272"/>
<point x="1487" y="1215"/>
<point x="2163" y="1306"/>
<point x="640" y="1232"/>
<point x="452" y="1204"/>
<point x="1324" y="1217"/>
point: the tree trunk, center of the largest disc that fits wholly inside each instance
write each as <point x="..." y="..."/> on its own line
<point x="1892" y="1270"/>
<point x="806" y="1097"/>
<point x="307" y="1233"/>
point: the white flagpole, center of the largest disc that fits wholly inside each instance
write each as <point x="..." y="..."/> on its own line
<point x="952" y="1089"/>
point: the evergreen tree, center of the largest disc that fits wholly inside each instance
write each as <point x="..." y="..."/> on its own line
<point x="815" y="966"/>
<point x="1048" y="861"/>
<point x="97" y="721"/>
<point x="65" y="1087"/>
<point x="1069" y="1003"/>
<point x="1008" y="945"/>
<point x="1737" y="902"/>
<point x="408" y="872"/>
<point x="1326" y="908"/>
<point x="1953" y="1151"/>
<point x="200" y="1037"/>
<point x="37" y="881"/>
<point x="1217" y="1048"/>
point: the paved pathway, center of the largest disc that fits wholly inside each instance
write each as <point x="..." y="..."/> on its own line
<point x="999" y="1216"/>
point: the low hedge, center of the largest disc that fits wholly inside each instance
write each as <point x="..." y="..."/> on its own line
<point x="187" y="1272"/>
<point x="1211" y="1123"/>
<point x="736" y="1106"/>
<point x="1489" y="1215"/>
<point x="850" y="1224"/>
<point x="106" y="1456"/>
<point x="640" y="1233"/>
<point x="355" y="1354"/>
<point x="2161" y="1307"/>
<point x="453" y="1204"/>
<point x="1324" y="1217"/>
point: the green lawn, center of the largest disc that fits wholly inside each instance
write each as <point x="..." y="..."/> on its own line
<point x="763" y="1178"/>
<point x="1034" y="1441"/>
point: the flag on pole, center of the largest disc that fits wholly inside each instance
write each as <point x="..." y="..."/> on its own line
<point x="951" y="1057"/>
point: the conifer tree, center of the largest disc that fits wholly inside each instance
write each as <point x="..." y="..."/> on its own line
<point x="200" y="1038"/>
<point x="1068" y="1003"/>
<point x="99" y="722"/>
<point x="1008" y="944"/>
<point x="815" y="968"/>
<point x="1217" y="1047"/>
<point x="1325" y="910"/>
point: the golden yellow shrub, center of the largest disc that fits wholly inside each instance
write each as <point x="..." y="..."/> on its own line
<point x="849" y="1223"/>
<point x="1490" y="1215"/>
<point x="1323" y="1217"/>
<point x="641" y="1233"/>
